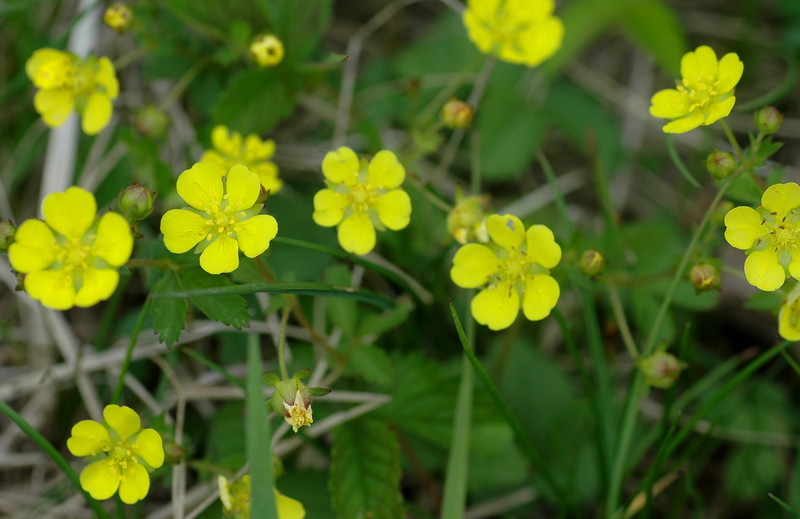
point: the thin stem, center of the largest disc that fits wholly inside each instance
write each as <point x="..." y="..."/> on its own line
<point x="282" y="341"/>
<point x="732" y="139"/>
<point x="129" y="352"/>
<point x="182" y="84"/>
<point x="622" y="321"/>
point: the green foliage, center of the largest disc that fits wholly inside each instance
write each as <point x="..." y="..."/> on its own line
<point x="255" y="101"/>
<point x="169" y="315"/>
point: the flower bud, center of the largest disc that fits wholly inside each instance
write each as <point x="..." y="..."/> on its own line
<point x="457" y="114"/>
<point x="292" y="398"/>
<point x="151" y="122"/>
<point x="592" y="262"/>
<point x="118" y="16"/>
<point x="173" y="453"/>
<point x="720" y="164"/>
<point x="267" y="50"/>
<point x="768" y="120"/>
<point x="661" y="369"/>
<point x="467" y="220"/>
<point x="704" y="277"/>
<point x="135" y="202"/>
<point x="235" y="496"/>
<point x="7" y="232"/>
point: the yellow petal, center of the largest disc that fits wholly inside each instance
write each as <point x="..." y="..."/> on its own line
<point x="541" y="296"/>
<point x="182" y="230"/>
<point x="150" y="448"/>
<point x="385" y="171"/>
<point x="243" y="187"/>
<point x="70" y="213"/>
<point x="254" y="234"/>
<point x="743" y="227"/>
<point x="222" y="255"/>
<point x="88" y="438"/>
<point x="268" y="176"/>
<point x="789" y="319"/>
<point x="329" y="207"/>
<point x="357" y="234"/>
<point x="41" y="57"/>
<point x="394" y="209"/>
<point x="685" y="124"/>
<point x="781" y="198"/>
<point x="255" y="149"/>
<point x="763" y="270"/>
<point x="289" y="508"/>
<point x="201" y="187"/>
<point x="53" y="288"/>
<point x="341" y="166"/>
<point x="473" y="265"/>
<point x="134" y="484"/>
<point x="478" y="30"/>
<point x="106" y="77"/>
<point x="701" y="62"/>
<point x="719" y="110"/>
<point x="730" y="72"/>
<point x="535" y="43"/>
<point x="542" y="246"/>
<point x="97" y="285"/>
<point x="213" y="158"/>
<point x="114" y="241"/>
<point x="497" y="306"/>
<point x="225" y="141"/>
<point x="34" y="247"/>
<point x="96" y="113"/>
<point x="122" y="419"/>
<point x="54" y="105"/>
<point x="506" y="231"/>
<point x="100" y="479"/>
<point x="669" y="103"/>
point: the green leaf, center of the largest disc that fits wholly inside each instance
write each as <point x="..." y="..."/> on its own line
<point x="343" y="314"/>
<point x="667" y="44"/>
<point x="371" y="363"/>
<point x="300" y="25"/>
<point x="169" y="315"/>
<point x="365" y="471"/>
<point x="228" y="309"/>
<point x="376" y="324"/>
<point x="259" y="453"/>
<point x="255" y="101"/>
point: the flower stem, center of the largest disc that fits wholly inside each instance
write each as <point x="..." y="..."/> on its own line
<point x="622" y="321"/>
<point x="129" y="353"/>
<point x="282" y="340"/>
<point x="732" y="139"/>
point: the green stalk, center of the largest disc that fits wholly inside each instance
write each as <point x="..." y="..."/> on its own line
<point x="56" y="456"/>
<point x="129" y="353"/>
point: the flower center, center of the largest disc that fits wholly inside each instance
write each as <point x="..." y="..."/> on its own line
<point x="784" y="236"/>
<point x="76" y="255"/>
<point x="361" y="196"/>
<point x="515" y="268"/>
<point x="120" y="454"/>
<point x="701" y="92"/>
<point x="223" y="219"/>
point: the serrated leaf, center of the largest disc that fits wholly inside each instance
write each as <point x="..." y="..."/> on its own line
<point x="365" y="471"/>
<point x="228" y="309"/>
<point x="300" y="25"/>
<point x="255" y="101"/>
<point x="169" y="315"/>
<point x="372" y="364"/>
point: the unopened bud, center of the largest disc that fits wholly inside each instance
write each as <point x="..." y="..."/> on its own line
<point x="457" y="114"/>
<point x="151" y="122"/>
<point x="720" y="164"/>
<point x="768" y="120"/>
<point x="467" y="220"/>
<point x="173" y="453"/>
<point x="592" y="262"/>
<point x="135" y="202"/>
<point x="267" y="50"/>
<point x="661" y="369"/>
<point x="704" y="277"/>
<point x="7" y="232"/>
<point x="118" y="16"/>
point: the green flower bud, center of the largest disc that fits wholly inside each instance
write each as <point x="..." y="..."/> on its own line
<point x="768" y="120"/>
<point x="457" y="114"/>
<point x="467" y="220"/>
<point x="173" y="453"/>
<point x="704" y="277"/>
<point x="135" y="202"/>
<point x="151" y="122"/>
<point x="661" y="369"/>
<point x="592" y="262"/>
<point x="720" y="164"/>
<point x="7" y="232"/>
<point x="292" y="398"/>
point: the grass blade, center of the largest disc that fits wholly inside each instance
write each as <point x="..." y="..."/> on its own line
<point x="257" y="433"/>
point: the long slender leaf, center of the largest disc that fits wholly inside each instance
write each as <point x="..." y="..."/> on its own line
<point x="259" y="452"/>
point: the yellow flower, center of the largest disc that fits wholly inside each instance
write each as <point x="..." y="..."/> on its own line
<point x="71" y="258"/>
<point x="66" y="82"/>
<point x="253" y="153"/>
<point x="361" y="197"/>
<point x="514" y="265"/>
<point x="789" y="317"/>
<point x="522" y="32"/>
<point x="770" y="235"/>
<point x="235" y="497"/>
<point x="705" y="93"/>
<point x="267" y="50"/>
<point x="127" y="452"/>
<point x="222" y="219"/>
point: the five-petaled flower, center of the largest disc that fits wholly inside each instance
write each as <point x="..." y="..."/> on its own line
<point x="361" y="197"/>
<point x="71" y="258"/>
<point x="127" y="452"/>
<point x="222" y="219"/>
<point x="704" y="94"/>
<point x="229" y="149"/>
<point x="770" y="235"/>
<point x="235" y="497"/>
<point x="66" y="82"/>
<point x="517" y="31"/>
<point x="513" y="265"/>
